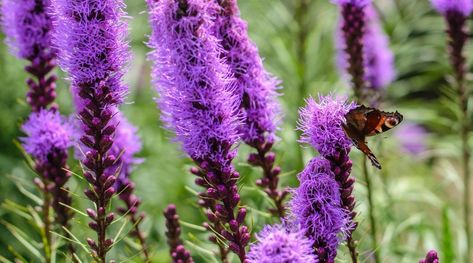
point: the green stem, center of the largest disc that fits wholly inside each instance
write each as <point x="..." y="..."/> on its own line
<point x="369" y="189"/>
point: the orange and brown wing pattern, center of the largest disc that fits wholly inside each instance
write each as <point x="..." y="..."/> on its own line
<point x="364" y="121"/>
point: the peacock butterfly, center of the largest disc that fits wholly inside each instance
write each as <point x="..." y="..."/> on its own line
<point x="364" y="121"/>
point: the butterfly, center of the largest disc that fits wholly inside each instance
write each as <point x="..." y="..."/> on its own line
<point x="364" y="121"/>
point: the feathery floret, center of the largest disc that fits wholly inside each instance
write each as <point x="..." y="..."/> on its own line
<point x="46" y="132"/>
<point x="28" y="27"/>
<point x="316" y="206"/>
<point x="196" y="94"/>
<point x="255" y="88"/>
<point x="276" y="244"/>
<point x="321" y="122"/>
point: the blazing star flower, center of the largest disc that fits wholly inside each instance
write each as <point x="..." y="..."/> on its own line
<point x="90" y="36"/>
<point x="378" y="58"/>
<point x="317" y="208"/>
<point x="431" y="257"/>
<point x="256" y="89"/>
<point x="279" y="245"/>
<point x="256" y="92"/>
<point x="320" y="123"/>
<point x="196" y="97"/>
<point x="463" y="7"/>
<point x="46" y="132"/>
<point x="28" y="27"/>
<point x="199" y="105"/>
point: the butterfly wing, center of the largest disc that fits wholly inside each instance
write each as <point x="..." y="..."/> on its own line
<point x="359" y="142"/>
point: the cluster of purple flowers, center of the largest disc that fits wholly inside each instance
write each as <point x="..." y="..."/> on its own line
<point x="90" y="36"/>
<point x="198" y="103"/>
<point x="280" y="244"/>
<point x="378" y="58"/>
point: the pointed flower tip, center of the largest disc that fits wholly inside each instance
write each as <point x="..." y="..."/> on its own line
<point x="463" y="7"/>
<point x="196" y="94"/>
<point x="431" y="257"/>
<point x="27" y="26"/>
<point x="276" y="244"/>
<point x="320" y="122"/>
<point x="358" y="3"/>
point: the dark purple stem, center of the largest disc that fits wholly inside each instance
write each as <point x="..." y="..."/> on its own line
<point x="99" y="138"/>
<point x="177" y="250"/>
<point x="264" y="158"/>
<point x="458" y="36"/>
<point x="132" y="203"/>
<point x="43" y="87"/>
<point x="341" y="166"/>
<point x="353" y="31"/>
<point x="221" y="200"/>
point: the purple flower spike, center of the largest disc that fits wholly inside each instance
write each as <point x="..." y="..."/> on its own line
<point x="353" y="30"/>
<point x="256" y="91"/>
<point x="431" y="257"/>
<point x="28" y="28"/>
<point x="90" y="36"/>
<point x="48" y="138"/>
<point x="321" y="126"/>
<point x="198" y="104"/>
<point x="463" y="7"/>
<point x="379" y="59"/>
<point x="317" y="208"/>
<point x="320" y="123"/>
<point x="47" y="132"/>
<point x="279" y="245"/>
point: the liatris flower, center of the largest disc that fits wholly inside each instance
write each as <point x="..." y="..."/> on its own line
<point x="28" y="27"/>
<point x="178" y="252"/>
<point x="320" y="123"/>
<point x="256" y="91"/>
<point x="412" y="138"/>
<point x="48" y="137"/>
<point x="317" y="208"/>
<point x="456" y="13"/>
<point x="353" y="30"/>
<point x="198" y="104"/>
<point x="431" y="257"/>
<point x="279" y="245"/>
<point x="378" y="58"/>
<point x="90" y="36"/>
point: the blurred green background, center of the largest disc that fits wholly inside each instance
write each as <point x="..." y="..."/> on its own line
<point x="417" y="198"/>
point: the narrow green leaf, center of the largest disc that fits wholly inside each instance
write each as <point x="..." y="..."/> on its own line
<point x="23" y="239"/>
<point x="447" y="240"/>
<point x="192" y="226"/>
<point x="30" y="195"/>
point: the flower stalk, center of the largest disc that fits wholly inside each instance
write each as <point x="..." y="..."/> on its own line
<point x="177" y="250"/>
<point x="90" y="36"/>
<point x="256" y="92"/>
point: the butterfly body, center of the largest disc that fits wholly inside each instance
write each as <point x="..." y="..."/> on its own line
<point x="363" y="121"/>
